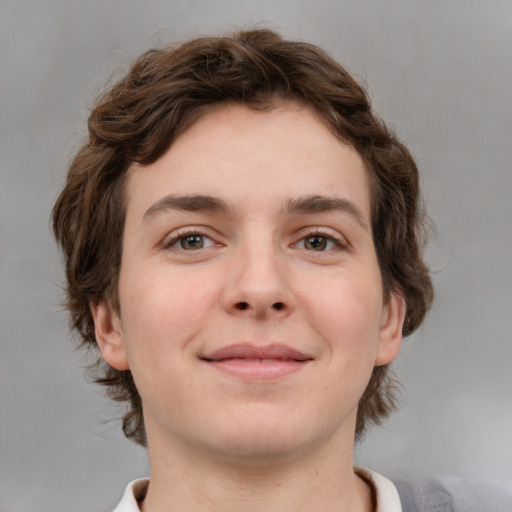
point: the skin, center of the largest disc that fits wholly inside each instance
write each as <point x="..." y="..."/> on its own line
<point x="262" y="263"/>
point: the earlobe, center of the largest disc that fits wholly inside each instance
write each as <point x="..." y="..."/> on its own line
<point x="392" y="321"/>
<point x="109" y="335"/>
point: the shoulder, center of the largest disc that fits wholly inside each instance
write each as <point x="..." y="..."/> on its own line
<point x="452" y="494"/>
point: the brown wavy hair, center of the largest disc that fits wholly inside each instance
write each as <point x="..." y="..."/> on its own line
<point x="165" y="92"/>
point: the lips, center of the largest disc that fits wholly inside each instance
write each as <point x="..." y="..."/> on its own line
<point x="275" y="351"/>
<point x="257" y="362"/>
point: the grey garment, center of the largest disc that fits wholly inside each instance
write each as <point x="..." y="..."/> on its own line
<point x="452" y="494"/>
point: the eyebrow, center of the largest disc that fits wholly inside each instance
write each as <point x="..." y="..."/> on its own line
<point x="189" y="203"/>
<point x="299" y="205"/>
<point x="321" y="204"/>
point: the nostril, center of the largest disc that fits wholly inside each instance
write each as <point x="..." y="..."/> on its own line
<point x="243" y="306"/>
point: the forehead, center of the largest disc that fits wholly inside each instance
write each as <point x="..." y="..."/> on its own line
<point x="241" y="153"/>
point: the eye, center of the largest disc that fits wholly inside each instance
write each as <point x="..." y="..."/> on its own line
<point x="319" y="243"/>
<point x="321" y="240"/>
<point x="191" y="242"/>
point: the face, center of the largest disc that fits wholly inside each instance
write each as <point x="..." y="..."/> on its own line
<point x="251" y="303"/>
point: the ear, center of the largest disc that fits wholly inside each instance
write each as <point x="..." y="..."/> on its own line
<point x="109" y="335"/>
<point x="392" y="321"/>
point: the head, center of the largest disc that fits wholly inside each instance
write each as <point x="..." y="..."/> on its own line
<point x="165" y="93"/>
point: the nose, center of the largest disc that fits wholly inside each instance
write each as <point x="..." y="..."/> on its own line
<point x="258" y="283"/>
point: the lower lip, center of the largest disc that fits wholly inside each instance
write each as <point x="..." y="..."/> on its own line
<point x="257" y="369"/>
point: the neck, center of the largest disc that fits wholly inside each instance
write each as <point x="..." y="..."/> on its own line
<point x="201" y="482"/>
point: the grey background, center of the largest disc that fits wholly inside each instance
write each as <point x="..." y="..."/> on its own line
<point x="439" y="71"/>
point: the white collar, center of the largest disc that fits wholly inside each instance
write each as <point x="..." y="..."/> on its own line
<point x="387" y="495"/>
<point x="388" y="499"/>
<point x="133" y="490"/>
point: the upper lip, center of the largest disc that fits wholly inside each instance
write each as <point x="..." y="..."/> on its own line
<point x="275" y="351"/>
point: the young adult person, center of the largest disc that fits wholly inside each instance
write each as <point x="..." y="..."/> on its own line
<point x="242" y="239"/>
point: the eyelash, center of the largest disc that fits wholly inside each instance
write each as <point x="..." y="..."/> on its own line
<point x="182" y="234"/>
<point x="169" y="242"/>
<point x="339" y="242"/>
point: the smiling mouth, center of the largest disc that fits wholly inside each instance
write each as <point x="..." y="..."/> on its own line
<point x="254" y="362"/>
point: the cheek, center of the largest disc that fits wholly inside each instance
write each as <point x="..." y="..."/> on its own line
<point x="164" y="306"/>
<point x="347" y="314"/>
